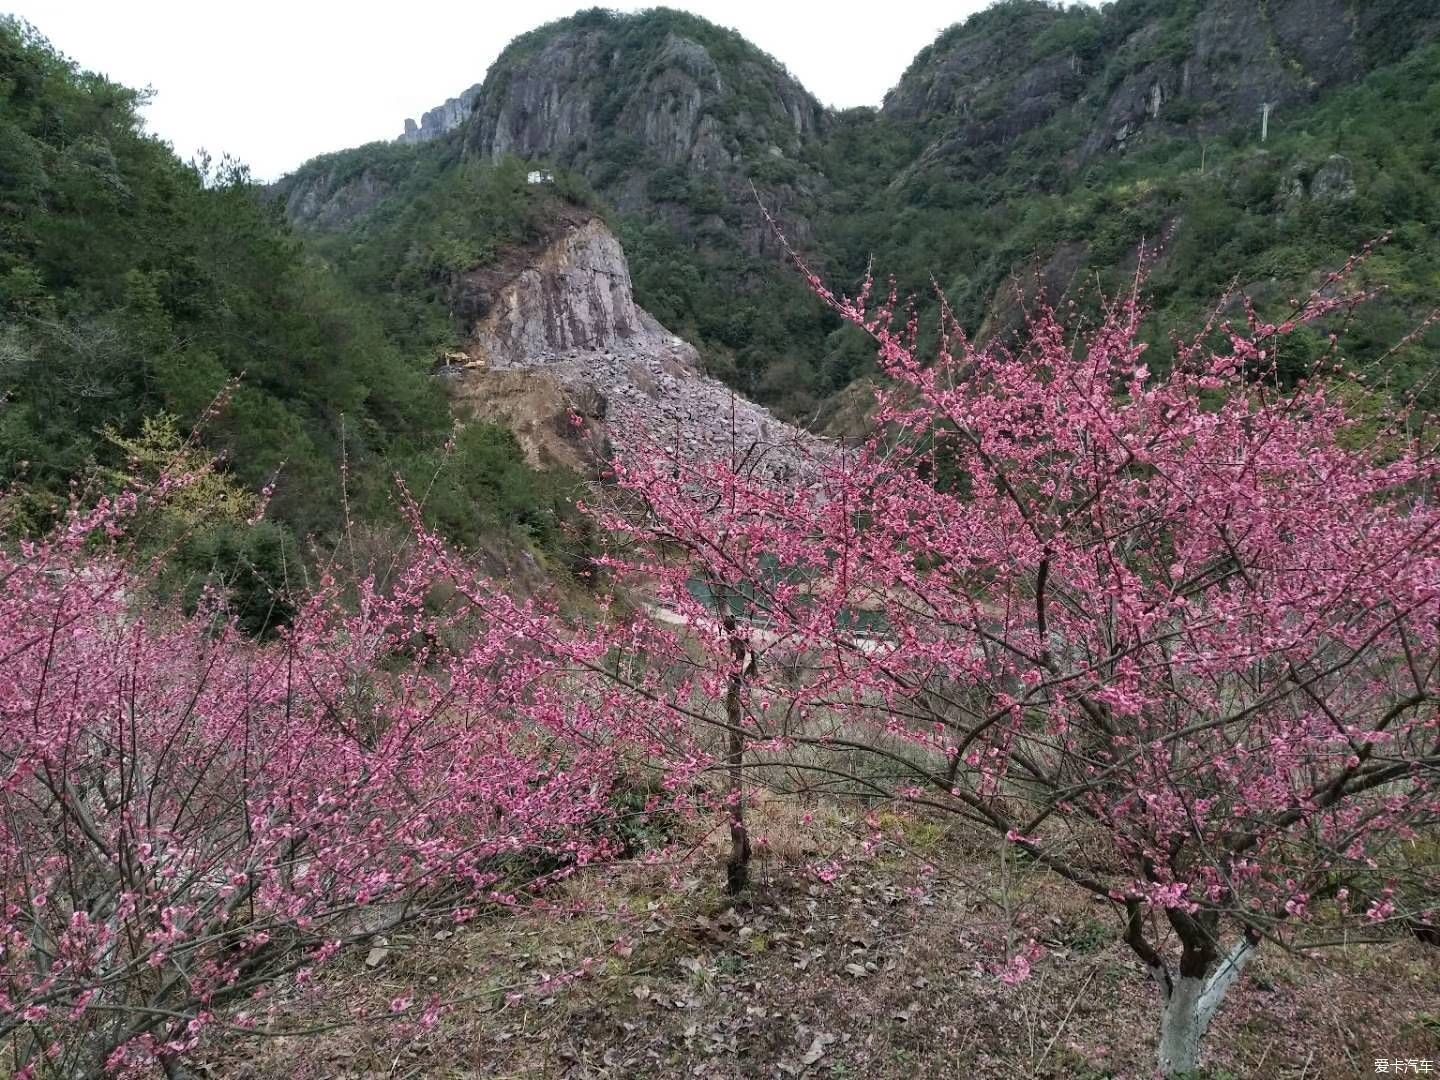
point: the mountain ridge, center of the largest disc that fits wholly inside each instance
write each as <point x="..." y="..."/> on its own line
<point x="983" y="161"/>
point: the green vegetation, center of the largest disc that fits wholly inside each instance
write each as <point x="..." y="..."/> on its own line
<point x="967" y="199"/>
<point x="437" y="217"/>
<point x="132" y="285"/>
<point x="755" y="322"/>
<point x="1222" y="208"/>
<point x="692" y="264"/>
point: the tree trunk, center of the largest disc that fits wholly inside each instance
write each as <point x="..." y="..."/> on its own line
<point x="1180" y="1028"/>
<point x="737" y="869"/>
<point x="1190" y="1003"/>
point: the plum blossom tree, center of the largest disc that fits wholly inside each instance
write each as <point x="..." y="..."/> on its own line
<point x="690" y="534"/>
<point x="1174" y="637"/>
<point x="189" y="815"/>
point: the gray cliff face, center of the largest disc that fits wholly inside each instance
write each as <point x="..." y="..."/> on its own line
<point x="542" y="107"/>
<point x="619" y="109"/>
<point x="1333" y="181"/>
<point x="326" y="205"/>
<point x="982" y="85"/>
<point x="560" y="353"/>
<point x="546" y="105"/>
<point x="995" y="78"/>
<point x="575" y="296"/>
<point x="442" y="118"/>
<point x="1242" y="57"/>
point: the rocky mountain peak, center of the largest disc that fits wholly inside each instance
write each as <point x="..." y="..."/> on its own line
<point x="672" y="85"/>
<point x="441" y="119"/>
<point x="659" y="107"/>
<point x="985" y="63"/>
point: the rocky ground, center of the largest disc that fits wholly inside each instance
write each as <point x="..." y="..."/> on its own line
<point x="658" y="397"/>
<point x="885" y="970"/>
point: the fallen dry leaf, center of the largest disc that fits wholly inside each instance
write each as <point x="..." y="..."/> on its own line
<point x="817" y="1048"/>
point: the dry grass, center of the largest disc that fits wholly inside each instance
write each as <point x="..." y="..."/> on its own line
<point x="881" y="973"/>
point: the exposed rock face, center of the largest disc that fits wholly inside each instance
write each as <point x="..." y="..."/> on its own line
<point x="442" y="118"/>
<point x="561" y="354"/>
<point x="545" y="104"/>
<point x="575" y="408"/>
<point x="1008" y="70"/>
<point x="335" y="191"/>
<point x="1240" y="57"/>
<point x="1334" y="181"/>
<point x="620" y="98"/>
<point x="976" y="80"/>
<point x="323" y="203"/>
<point x="574" y="297"/>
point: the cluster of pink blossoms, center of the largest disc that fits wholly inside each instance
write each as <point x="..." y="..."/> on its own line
<point x="190" y="815"/>
<point x="1175" y="637"/>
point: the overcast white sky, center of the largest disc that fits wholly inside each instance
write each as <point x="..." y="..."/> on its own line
<point x="276" y="83"/>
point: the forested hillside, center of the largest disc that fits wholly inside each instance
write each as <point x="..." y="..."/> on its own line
<point x="1029" y="151"/>
<point x="135" y="286"/>
<point x="1041" y="147"/>
<point x="1032" y="148"/>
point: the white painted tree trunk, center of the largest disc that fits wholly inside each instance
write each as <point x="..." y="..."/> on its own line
<point x="1180" y="1031"/>
<point x="1190" y="1005"/>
